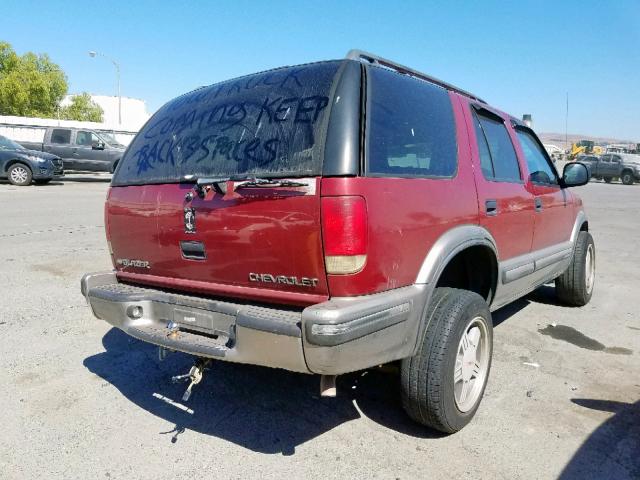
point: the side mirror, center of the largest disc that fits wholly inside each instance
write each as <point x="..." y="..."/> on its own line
<point x="97" y="145"/>
<point x="575" y="174"/>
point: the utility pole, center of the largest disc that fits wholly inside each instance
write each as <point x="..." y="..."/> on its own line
<point x="93" y="54"/>
<point x="566" y="125"/>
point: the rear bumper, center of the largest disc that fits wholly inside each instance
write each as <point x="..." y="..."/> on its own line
<point x="333" y="337"/>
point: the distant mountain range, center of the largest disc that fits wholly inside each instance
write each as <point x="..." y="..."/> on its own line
<point x="558" y="139"/>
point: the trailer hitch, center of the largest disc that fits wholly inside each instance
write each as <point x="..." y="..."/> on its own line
<point x="194" y="376"/>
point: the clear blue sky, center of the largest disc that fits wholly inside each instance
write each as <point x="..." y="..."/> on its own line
<point x="520" y="56"/>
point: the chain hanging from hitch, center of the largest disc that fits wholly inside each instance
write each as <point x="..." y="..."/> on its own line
<point x="194" y="376"/>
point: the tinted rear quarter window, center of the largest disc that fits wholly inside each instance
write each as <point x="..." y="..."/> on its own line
<point x="411" y="127"/>
<point x="268" y="124"/>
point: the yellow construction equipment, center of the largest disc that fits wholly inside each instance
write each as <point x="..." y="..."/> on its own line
<point x="585" y="147"/>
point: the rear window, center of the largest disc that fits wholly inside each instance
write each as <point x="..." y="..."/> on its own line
<point x="412" y="130"/>
<point x="60" y="136"/>
<point x="269" y="124"/>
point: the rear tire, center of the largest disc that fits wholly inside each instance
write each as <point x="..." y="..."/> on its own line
<point x="443" y="384"/>
<point x="627" y="177"/>
<point x="575" y="286"/>
<point x="20" y="174"/>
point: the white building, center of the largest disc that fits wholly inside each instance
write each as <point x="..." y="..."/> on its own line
<point x="134" y="111"/>
<point x="134" y="116"/>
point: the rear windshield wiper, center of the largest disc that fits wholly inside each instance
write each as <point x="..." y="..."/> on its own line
<point x="266" y="183"/>
<point x="219" y="184"/>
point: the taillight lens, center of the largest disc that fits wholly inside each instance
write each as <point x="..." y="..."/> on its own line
<point x="107" y="229"/>
<point x="344" y="233"/>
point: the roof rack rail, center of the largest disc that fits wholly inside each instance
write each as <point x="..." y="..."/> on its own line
<point x="376" y="60"/>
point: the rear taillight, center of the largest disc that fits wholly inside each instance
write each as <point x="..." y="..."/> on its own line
<point x="344" y="233"/>
<point x="107" y="230"/>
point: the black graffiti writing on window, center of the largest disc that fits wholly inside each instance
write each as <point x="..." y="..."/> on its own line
<point x="225" y="116"/>
<point x="297" y="109"/>
<point x="194" y="149"/>
<point x="285" y="78"/>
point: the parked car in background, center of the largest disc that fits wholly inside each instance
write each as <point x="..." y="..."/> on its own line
<point x="587" y="160"/>
<point x="315" y="218"/>
<point x="612" y="166"/>
<point x="81" y="149"/>
<point x="22" y="167"/>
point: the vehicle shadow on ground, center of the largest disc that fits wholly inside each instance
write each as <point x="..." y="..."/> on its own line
<point x="612" y="450"/>
<point x="545" y="294"/>
<point x="261" y="409"/>
<point x="508" y="311"/>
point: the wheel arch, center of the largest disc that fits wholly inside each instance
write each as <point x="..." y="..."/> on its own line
<point x="451" y="245"/>
<point x="474" y="268"/>
<point x="13" y="161"/>
<point x="581" y="224"/>
<point x="455" y="244"/>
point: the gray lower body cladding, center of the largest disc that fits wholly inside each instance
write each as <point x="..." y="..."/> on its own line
<point x="334" y="337"/>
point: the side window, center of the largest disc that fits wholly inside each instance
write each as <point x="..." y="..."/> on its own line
<point x="412" y="130"/>
<point x="485" y="155"/>
<point x="540" y="169"/>
<point x="497" y="156"/>
<point x="616" y="159"/>
<point x="86" y="138"/>
<point x="605" y="158"/>
<point x="60" y="135"/>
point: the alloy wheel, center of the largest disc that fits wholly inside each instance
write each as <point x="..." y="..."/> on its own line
<point x="19" y="174"/>
<point x="471" y="365"/>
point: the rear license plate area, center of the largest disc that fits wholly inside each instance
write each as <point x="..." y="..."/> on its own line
<point x="215" y="325"/>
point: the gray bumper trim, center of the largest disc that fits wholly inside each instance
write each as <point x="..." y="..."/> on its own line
<point x="342" y="320"/>
<point x="340" y="335"/>
<point x="280" y="322"/>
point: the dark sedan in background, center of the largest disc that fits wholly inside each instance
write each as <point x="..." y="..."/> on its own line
<point x="22" y="167"/>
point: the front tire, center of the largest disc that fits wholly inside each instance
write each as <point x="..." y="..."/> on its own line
<point x="20" y="175"/>
<point x="443" y="384"/>
<point x="575" y="286"/>
<point x="627" y="177"/>
<point x="608" y="179"/>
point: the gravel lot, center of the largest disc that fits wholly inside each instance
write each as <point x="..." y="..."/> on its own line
<point x="82" y="400"/>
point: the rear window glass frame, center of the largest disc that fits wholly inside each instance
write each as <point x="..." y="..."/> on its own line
<point x="368" y="121"/>
<point x="193" y="97"/>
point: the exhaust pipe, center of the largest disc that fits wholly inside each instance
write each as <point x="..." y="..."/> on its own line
<point x="328" y="386"/>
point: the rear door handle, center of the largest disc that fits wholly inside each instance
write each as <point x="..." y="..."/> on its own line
<point x="538" y="204"/>
<point x="491" y="207"/>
